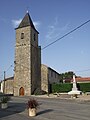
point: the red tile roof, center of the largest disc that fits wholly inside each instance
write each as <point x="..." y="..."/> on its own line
<point x="82" y="79"/>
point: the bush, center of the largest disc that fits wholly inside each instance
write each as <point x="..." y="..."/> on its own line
<point x="32" y="103"/>
<point x="66" y="87"/>
<point x="84" y="87"/>
<point x="5" y="99"/>
<point x="39" y="92"/>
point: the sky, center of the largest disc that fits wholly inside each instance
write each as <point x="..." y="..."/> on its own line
<point x="53" y="19"/>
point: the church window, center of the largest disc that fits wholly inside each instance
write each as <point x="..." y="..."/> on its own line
<point x="55" y="74"/>
<point x="34" y="37"/>
<point x="51" y="73"/>
<point x="22" y="35"/>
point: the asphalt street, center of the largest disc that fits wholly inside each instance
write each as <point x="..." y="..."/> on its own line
<point x="49" y="109"/>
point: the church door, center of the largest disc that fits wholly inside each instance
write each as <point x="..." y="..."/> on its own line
<point x="21" y="91"/>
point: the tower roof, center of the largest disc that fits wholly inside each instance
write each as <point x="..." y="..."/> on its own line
<point x="26" y="21"/>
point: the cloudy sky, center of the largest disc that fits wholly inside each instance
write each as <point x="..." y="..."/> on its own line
<point x="53" y="19"/>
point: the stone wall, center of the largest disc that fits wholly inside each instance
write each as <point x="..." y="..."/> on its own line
<point x="44" y="78"/>
<point x="27" y="76"/>
<point x="53" y="76"/>
<point x="35" y="62"/>
<point x="48" y="76"/>
<point x="22" y="77"/>
<point x="7" y="86"/>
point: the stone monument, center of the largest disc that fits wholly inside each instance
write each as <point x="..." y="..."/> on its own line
<point x="74" y="92"/>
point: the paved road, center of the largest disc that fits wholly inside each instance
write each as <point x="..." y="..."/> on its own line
<point x="50" y="109"/>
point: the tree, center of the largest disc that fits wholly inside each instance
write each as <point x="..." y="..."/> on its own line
<point x="66" y="75"/>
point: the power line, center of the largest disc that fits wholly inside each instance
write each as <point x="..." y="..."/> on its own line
<point x="9" y="68"/>
<point x="2" y="75"/>
<point x="66" y="34"/>
<point x="83" y="70"/>
<point x="60" y="39"/>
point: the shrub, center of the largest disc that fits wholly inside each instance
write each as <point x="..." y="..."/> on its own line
<point x="5" y="99"/>
<point x="84" y="87"/>
<point x="66" y="87"/>
<point x="32" y="103"/>
<point x="39" y="92"/>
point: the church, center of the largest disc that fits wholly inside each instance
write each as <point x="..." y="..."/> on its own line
<point x="29" y="73"/>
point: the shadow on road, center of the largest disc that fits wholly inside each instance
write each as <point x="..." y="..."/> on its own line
<point x="44" y="111"/>
<point x="13" y="108"/>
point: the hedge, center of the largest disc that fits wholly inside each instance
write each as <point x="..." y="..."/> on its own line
<point x="63" y="87"/>
<point x="84" y="87"/>
<point x="66" y="87"/>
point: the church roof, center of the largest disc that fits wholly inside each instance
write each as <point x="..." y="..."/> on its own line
<point x="26" y="21"/>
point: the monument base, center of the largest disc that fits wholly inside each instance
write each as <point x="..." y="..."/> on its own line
<point x="74" y="92"/>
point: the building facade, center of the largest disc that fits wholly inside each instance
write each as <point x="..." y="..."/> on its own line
<point x="48" y="77"/>
<point x="7" y="85"/>
<point x="29" y="74"/>
<point x="27" y="77"/>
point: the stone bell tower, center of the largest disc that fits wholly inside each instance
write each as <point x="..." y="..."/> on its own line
<point x="27" y="76"/>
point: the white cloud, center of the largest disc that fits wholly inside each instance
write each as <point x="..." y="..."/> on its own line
<point x="37" y="24"/>
<point x="55" y="30"/>
<point x="16" y="22"/>
<point x="65" y="27"/>
<point x="52" y="30"/>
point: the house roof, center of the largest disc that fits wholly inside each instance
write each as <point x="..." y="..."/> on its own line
<point x="79" y="79"/>
<point x="9" y="78"/>
<point x="82" y="79"/>
<point x="26" y="21"/>
<point x="50" y="68"/>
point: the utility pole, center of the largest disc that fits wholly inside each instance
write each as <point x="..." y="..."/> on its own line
<point x="4" y="82"/>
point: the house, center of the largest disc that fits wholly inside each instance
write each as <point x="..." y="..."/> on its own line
<point x="48" y="77"/>
<point x="83" y="79"/>
<point x="7" y="85"/>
